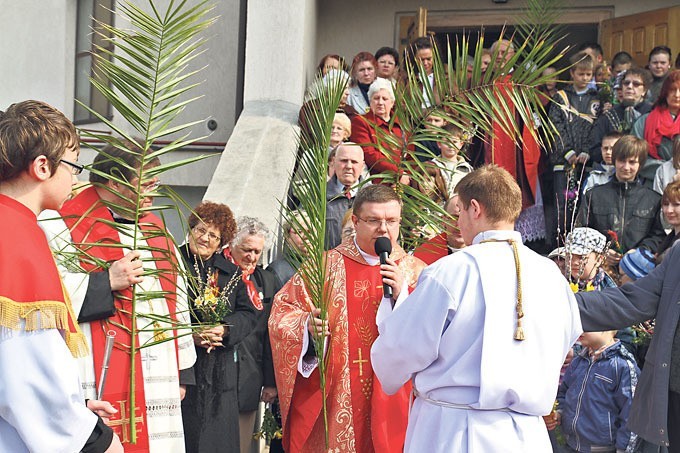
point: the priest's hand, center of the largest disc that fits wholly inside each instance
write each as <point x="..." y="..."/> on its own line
<point x="392" y="276"/>
<point x="102" y="408"/>
<point x="126" y="272"/>
<point x="182" y="391"/>
<point x="316" y="326"/>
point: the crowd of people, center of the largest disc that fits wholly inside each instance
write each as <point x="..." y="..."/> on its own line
<point x="471" y="342"/>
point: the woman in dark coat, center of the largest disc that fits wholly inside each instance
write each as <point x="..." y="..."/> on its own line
<point x="255" y="366"/>
<point x="210" y="410"/>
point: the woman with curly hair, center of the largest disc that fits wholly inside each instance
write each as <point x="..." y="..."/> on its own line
<point x="210" y="410"/>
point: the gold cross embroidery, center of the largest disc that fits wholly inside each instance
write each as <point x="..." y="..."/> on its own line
<point x="124" y="422"/>
<point x="361" y="362"/>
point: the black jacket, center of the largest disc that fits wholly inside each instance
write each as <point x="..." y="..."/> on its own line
<point x="255" y="365"/>
<point x="573" y="123"/>
<point x="210" y="410"/>
<point x="613" y="120"/>
<point x="629" y="209"/>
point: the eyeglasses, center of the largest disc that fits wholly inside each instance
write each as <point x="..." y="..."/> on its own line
<point x="200" y="232"/>
<point x="635" y="83"/>
<point x="151" y="186"/>
<point x="376" y="223"/>
<point x="76" y="169"/>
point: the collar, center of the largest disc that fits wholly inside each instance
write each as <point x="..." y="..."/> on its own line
<point x="499" y="235"/>
<point x="370" y="259"/>
<point x="339" y="188"/>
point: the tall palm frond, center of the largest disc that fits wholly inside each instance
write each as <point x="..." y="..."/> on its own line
<point x="312" y="171"/>
<point x="504" y="95"/>
<point x="144" y="72"/>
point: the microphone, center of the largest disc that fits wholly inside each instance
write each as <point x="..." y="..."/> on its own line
<point x="383" y="248"/>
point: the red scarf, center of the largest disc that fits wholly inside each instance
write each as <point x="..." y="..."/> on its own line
<point x="253" y="293"/>
<point x="90" y="223"/>
<point x="660" y="124"/>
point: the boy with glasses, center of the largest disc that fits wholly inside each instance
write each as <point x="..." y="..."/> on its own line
<point x="41" y="408"/>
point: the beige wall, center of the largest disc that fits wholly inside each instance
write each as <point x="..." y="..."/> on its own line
<point x="347" y="27"/>
<point x="37" y="51"/>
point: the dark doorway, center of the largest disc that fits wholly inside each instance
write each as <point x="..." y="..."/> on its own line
<point x="575" y="34"/>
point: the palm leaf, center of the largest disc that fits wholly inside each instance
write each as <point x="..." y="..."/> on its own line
<point x="143" y="71"/>
<point x="312" y="172"/>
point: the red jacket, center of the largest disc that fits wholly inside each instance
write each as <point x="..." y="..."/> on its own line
<point x="364" y="133"/>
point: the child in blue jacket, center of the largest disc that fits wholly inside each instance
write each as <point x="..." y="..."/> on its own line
<point x="595" y="395"/>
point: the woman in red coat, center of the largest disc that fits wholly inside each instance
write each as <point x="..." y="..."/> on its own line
<point x="378" y="128"/>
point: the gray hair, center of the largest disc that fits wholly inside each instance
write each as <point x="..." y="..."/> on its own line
<point x="380" y="84"/>
<point x="250" y="226"/>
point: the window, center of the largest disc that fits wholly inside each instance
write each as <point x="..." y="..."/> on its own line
<point x="90" y="12"/>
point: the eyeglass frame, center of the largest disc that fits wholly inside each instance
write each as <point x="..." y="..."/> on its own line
<point x="201" y="231"/>
<point x="377" y="223"/>
<point x="634" y="83"/>
<point x="76" y="169"/>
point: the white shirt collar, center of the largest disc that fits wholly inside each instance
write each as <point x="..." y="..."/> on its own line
<point x="499" y="235"/>
<point x="370" y="259"/>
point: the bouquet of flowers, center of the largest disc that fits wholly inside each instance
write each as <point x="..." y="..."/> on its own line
<point x="211" y="302"/>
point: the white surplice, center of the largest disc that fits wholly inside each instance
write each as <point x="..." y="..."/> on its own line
<point x="32" y="387"/>
<point x="159" y="362"/>
<point x="454" y="336"/>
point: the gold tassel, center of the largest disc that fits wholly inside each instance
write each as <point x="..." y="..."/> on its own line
<point x="158" y="334"/>
<point x="519" y="332"/>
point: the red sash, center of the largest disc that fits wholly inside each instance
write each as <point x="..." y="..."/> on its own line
<point x="92" y="231"/>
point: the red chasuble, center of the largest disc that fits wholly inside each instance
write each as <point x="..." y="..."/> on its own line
<point x="432" y="249"/>
<point x="30" y="286"/>
<point x="518" y="155"/>
<point x="361" y="417"/>
<point x="92" y="230"/>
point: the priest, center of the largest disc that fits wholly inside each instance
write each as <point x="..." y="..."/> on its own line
<point x="361" y="417"/>
<point x="483" y="336"/>
<point x="102" y="260"/>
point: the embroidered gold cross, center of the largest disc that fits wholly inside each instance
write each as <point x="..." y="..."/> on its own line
<point x="124" y="422"/>
<point x="361" y="362"/>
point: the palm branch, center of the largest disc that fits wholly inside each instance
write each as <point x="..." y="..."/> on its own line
<point x="474" y="102"/>
<point x="312" y="173"/>
<point x="144" y="72"/>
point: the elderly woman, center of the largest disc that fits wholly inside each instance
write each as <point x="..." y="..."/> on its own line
<point x="363" y="75"/>
<point x="253" y="355"/>
<point x="210" y="411"/>
<point x="365" y="133"/>
<point x="387" y="59"/>
<point x="660" y="126"/>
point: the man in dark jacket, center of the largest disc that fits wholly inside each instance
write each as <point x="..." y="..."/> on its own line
<point x="655" y="413"/>
<point x="341" y="189"/>
<point x="624" y="206"/>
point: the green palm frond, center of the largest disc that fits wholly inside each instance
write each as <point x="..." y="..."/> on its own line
<point x="312" y="173"/>
<point x="145" y="72"/>
<point x="505" y="95"/>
